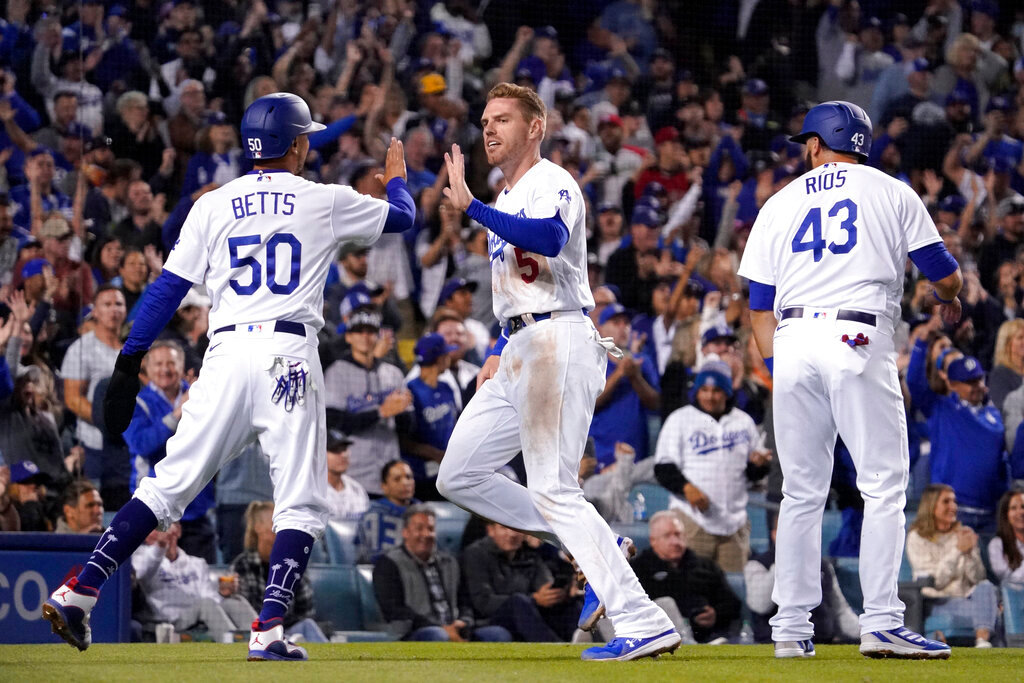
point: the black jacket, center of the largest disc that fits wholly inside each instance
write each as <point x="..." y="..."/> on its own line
<point x="492" y="578"/>
<point x="694" y="584"/>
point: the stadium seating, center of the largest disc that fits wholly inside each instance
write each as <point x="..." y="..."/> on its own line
<point x="656" y="497"/>
<point x="344" y="599"/>
<point x="339" y="542"/>
<point x="1013" y="615"/>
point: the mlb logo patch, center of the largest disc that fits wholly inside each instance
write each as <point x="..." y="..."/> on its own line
<point x="821" y="314"/>
<point x="255" y="328"/>
<point x="257" y="155"/>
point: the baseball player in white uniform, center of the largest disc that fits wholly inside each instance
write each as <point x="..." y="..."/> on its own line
<point x="825" y="260"/>
<point x="262" y="244"/>
<point x="537" y="392"/>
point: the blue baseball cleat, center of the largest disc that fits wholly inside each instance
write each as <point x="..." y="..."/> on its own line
<point x="793" y="649"/>
<point x="593" y="609"/>
<point x="901" y="643"/>
<point x="269" y="644"/>
<point x="626" y="649"/>
<point x="67" y="610"/>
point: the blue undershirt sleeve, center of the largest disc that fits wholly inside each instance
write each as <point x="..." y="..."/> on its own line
<point x="158" y="304"/>
<point x="402" y="209"/>
<point x="934" y="261"/>
<point x="544" y="236"/>
<point x="500" y="344"/>
<point x="762" y="296"/>
<point x="332" y="132"/>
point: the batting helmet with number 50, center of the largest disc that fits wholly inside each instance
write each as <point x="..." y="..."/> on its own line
<point x="272" y="122"/>
<point x="842" y="126"/>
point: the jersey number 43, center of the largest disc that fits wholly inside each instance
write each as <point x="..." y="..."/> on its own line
<point x="812" y="224"/>
<point x="277" y="240"/>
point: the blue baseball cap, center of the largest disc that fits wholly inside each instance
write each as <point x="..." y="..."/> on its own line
<point x="953" y="203"/>
<point x="959" y="95"/>
<point x="358" y="296"/>
<point x="919" y="64"/>
<point x="714" y="373"/>
<point x="608" y="206"/>
<point x="999" y="103"/>
<point x="654" y="188"/>
<point x="33" y="267"/>
<point x="27" y="472"/>
<point x="988" y="7"/>
<point x="717" y="332"/>
<point x="645" y="215"/>
<point x="755" y="86"/>
<point x="431" y="347"/>
<point x="117" y="11"/>
<point x="454" y="285"/>
<point x="965" y="369"/>
<point x="611" y="311"/>
<point x="548" y="32"/>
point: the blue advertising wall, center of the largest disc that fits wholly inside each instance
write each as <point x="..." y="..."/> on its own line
<point x="34" y="565"/>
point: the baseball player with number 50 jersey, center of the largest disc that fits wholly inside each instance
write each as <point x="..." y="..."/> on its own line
<point x="262" y="244"/>
<point x="536" y="393"/>
<point x="825" y="260"/>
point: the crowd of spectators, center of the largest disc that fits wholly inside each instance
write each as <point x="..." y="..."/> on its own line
<point x="672" y="116"/>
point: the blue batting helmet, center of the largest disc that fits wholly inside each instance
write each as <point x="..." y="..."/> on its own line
<point x="272" y="122"/>
<point x="842" y="126"/>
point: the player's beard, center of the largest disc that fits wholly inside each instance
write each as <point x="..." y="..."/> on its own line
<point x="501" y="155"/>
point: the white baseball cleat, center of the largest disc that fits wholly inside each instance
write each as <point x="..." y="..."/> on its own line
<point x="794" y="649"/>
<point x="901" y="643"/>
<point x="68" y="610"/>
<point x="270" y="643"/>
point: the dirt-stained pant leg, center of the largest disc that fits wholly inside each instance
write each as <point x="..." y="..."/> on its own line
<point x="561" y="374"/>
<point x="485" y="438"/>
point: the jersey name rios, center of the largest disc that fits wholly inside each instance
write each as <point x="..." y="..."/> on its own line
<point x="838" y="237"/>
<point x="524" y="282"/>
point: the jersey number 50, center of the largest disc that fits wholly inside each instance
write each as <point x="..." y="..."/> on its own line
<point x="250" y="262"/>
<point x="812" y="222"/>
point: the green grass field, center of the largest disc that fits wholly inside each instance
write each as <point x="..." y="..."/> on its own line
<point x="426" y="663"/>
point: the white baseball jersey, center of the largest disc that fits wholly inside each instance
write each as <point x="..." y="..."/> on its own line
<point x="172" y="587"/>
<point x="712" y="454"/>
<point x="811" y="240"/>
<point x="259" y="244"/>
<point x="524" y="282"/>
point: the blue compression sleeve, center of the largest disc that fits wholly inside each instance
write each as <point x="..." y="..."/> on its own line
<point x="762" y="296"/>
<point x="934" y="261"/>
<point x="158" y="304"/>
<point x="332" y="132"/>
<point x="402" y="209"/>
<point x="770" y="364"/>
<point x="544" y="236"/>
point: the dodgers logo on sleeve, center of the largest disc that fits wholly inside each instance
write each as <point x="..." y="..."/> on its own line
<point x="564" y="194"/>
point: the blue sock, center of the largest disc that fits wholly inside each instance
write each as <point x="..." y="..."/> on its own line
<point x="288" y="560"/>
<point x="127" y="531"/>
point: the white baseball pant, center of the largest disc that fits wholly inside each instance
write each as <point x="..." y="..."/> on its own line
<point x="823" y="387"/>
<point x="541" y="401"/>
<point x="229" y="406"/>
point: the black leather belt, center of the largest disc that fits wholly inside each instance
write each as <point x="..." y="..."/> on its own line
<point x="843" y="314"/>
<point x="280" y="326"/>
<point x="517" y="323"/>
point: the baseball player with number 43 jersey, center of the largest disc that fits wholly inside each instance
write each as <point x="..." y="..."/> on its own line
<point x="536" y="393"/>
<point x="262" y="244"/>
<point x="825" y="260"/>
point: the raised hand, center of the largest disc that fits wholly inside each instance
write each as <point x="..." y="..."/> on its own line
<point x="394" y="163"/>
<point x="457" y="191"/>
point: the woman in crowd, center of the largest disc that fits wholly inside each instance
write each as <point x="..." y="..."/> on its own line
<point x="1006" y="550"/>
<point x="1008" y="365"/>
<point x="940" y="547"/>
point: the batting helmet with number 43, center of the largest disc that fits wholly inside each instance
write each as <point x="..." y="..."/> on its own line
<point x="272" y="122"/>
<point x="842" y="126"/>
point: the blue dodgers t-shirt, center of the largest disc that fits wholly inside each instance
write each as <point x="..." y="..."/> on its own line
<point x="623" y="418"/>
<point x="436" y="412"/>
